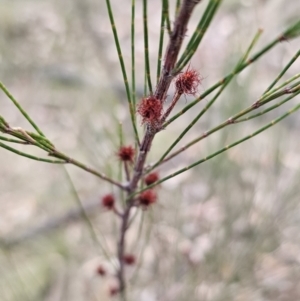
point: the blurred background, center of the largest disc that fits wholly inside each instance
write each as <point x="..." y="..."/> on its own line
<point x="226" y="230"/>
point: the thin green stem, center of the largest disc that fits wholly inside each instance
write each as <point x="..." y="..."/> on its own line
<point x="70" y="160"/>
<point x="160" y="46"/>
<point x="86" y="217"/>
<point x="13" y="140"/>
<point x="146" y="46"/>
<point x="210" y="103"/>
<point x="268" y="109"/>
<point x="28" y="137"/>
<point x="275" y="121"/>
<point x="21" y="283"/>
<point x="121" y="60"/>
<point x="178" y="3"/>
<point x="23" y="112"/>
<point x="30" y="156"/>
<point x="293" y="78"/>
<point x="219" y="83"/>
<point x="234" y="119"/>
<point x="289" y="64"/>
<point x="198" y="35"/>
<point x="133" y="90"/>
<point x="166" y="15"/>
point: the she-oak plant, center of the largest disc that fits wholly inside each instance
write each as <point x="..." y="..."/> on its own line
<point x="141" y="178"/>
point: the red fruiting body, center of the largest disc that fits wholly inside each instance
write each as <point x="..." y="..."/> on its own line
<point x="101" y="271"/>
<point x="150" y="109"/>
<point x="129" y="259"/>
<point x="108" y="201"/>
<point x="147" y="197"/>
<point x="126" y="153"/>
<point x="151" y="178"/>
<point x="113" y="290"/>
<point x="188" y="82"/>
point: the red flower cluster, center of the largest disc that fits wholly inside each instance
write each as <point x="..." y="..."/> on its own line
<point x="150" y="109"/>
<point x="188" y="82"/>
<point x="147" y="197"/>
<point x="108" y="201"/>
<point x="151" y="178"/>
<point x="126" y="153"/>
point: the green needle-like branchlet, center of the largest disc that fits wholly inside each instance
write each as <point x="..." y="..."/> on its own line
<point x="275" y="121"/>
<point x="271" y="108"/>
<point x="121" y="60"/>
<point x="292" y="32"/>
<point x="24" y="113"/>
<point x="161" y="42"/>
<point x="210" y="103"/>
<point x="165" y="4"/>
<point x="251" y="60"/>
<point x="30" y="156"/>
<point x="272" y="91"/>
<point x="178" y="3"/>
<point x="197" y="36"/>
<point x="146" y="45"/>
<point x="13" y="140"/>
<point x="133" y="90"/>
<point x="289" y="64"/>
<point x="86" y="218"/>
<point x="232" y="120"/>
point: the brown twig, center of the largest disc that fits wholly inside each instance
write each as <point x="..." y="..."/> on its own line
<point x="102" y="176"/>
<point x="160" y="93"/>
<point x="46" y="145"/>
<point x="170" y="108"/>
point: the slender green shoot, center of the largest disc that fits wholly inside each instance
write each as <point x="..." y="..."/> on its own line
<point x="133" y="89"/>
<point x="234" y="119"/>
<point x="293" y="78"/>
<point x="289" y="64"/>
<point x="86" y="218"/>
<point x="251" y="60"/>
<point x="161" y="42"/>
<point x="271" y="108"/>
<point x="30" y="156"/>
<point x="13" y="140"/>
<point x="292" y="32"/>
<point x="210" y="103"/>
<point x="227" y="147"/>
<point x="198" y="35"/>
<point x="167" y="15"/>
<point x="146" y="45"/>
<point x="19" y="107"/>
<point x="121" y="60"/>
<point x="178" y="4"/>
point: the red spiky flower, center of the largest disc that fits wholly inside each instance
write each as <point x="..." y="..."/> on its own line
<point x="150" y="109"/>
<point x="147" y="197"/>
<point x="108" y="201"/>
<point x="151" y="178"/>
<point x="129" y="259"/>
<point x="188" y="82"/>
<point x="126" y="153"/>
<point x="114" y="290"/>
<point x="101" y="270"/>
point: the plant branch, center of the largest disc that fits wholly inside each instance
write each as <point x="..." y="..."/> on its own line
<point x="163" y="85"/>
<point x="234" y="119"/>
<point x="275" y="121"/>
<point x="290" y="33"/>
<point x="121" y="60"/>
